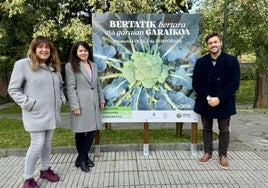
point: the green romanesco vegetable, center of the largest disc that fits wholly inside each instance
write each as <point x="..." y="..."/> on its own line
<point x="145" y="68"/>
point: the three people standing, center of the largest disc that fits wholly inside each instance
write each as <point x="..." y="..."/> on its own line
<point x="216" y="79"/>
<point x="36" y="86"/>
<point x="85" y="96"/>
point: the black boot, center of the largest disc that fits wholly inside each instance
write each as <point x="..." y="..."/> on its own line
<point x="90" y="162"/>
<point x="77" y="162"/>
<point x="84" y="166"/>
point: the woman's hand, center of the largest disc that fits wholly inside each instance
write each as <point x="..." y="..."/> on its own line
<point x="101" y="106"/>
<point x="76" y="112"/>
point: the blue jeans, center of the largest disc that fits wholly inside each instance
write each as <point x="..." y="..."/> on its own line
<point x="224" y="135"/>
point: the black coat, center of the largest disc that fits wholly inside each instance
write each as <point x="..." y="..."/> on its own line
<point x="221" y="80"/>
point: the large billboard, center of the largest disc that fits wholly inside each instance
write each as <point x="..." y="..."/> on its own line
<point x="146" y="63"/>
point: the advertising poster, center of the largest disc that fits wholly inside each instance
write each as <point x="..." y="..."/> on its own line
<point x="146" y="63"/>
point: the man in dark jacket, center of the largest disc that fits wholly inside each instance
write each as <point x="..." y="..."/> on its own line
<point x="216" y="78"/>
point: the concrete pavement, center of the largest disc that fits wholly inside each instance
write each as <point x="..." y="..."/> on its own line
<point x="160" y="169"/>
<point x="168" y="165"/>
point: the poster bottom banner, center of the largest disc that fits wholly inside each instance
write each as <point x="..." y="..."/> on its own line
<point x="124" y="114"/>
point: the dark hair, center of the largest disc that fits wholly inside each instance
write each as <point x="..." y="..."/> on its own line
<point x="213" y="34"/>
<point x="53" y="59"/>
<point x="74" y="59"/>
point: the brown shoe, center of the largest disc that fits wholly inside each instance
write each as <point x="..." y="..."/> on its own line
<point x="206" y="158"/>
<point x="224" y="163"/>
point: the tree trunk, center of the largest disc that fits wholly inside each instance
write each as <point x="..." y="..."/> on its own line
<point x="261" y="91"/>
<point x="3" y="87"/>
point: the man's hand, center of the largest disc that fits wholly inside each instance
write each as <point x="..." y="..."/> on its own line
<point x="213" y="101"/>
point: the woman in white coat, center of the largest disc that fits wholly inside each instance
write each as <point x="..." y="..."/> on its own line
<point x="36" y="86"/>
<point x="86" y="99"/>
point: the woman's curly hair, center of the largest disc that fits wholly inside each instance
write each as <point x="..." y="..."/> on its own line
<point x="53" y="59"/>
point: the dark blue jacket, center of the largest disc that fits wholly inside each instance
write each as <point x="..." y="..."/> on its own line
<point x="221" y="80"/>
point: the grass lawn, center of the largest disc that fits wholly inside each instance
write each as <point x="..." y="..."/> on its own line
<point x="13" y="135"/>
<point x="246" y="91"/>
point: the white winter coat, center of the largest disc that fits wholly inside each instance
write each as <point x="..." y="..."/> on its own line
<point x="39" y="94"/>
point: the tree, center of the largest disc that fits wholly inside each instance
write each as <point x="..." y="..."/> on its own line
<point x="255" y="22"/>
<point x="247" y="33"/>
<point x="63" y="21"/>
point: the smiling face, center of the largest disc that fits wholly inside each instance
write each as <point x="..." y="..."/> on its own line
<point x="82" y="53"/>
<point x="43" y="52"/>
<point x="214" y="45"/>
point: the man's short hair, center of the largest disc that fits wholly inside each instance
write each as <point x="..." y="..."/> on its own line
<point x="213" y="34"/>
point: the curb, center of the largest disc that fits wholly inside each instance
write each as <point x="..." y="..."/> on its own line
<point x="111" y="148"/>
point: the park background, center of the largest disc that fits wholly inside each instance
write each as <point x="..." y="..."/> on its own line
<point x="242" y="23"/>
<point x="67" y="21"/>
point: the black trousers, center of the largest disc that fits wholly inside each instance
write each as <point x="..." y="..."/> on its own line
<point x="224" y="135"/>
<point x="83" y="143"/>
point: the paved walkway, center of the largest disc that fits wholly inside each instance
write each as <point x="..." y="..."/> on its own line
<point x="159" y="169"/>
<point x="168" y="165"/>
